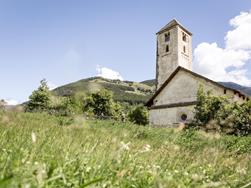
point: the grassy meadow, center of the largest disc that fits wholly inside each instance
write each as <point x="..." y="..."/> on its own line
<point x="38" y="150"/>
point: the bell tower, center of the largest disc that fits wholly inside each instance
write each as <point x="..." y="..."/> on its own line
<point x="174" y="48"/>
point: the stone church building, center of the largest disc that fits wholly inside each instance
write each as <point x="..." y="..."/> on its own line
<point x="177" y="85"/>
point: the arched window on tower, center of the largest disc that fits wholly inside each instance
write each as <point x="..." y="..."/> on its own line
<point x="167" y="48"/>
<point x="167" y="37"/>
<point x="184" y="49"/>
<point x="184" y="37"/>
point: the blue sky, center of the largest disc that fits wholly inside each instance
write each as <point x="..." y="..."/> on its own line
<point x="64" y="41"/>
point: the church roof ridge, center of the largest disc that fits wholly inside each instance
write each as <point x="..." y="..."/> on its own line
<point x="150" y="101"/>
<point x="174" y="22"/>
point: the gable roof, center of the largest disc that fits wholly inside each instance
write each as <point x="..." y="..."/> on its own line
<point x="171" y="24"/>
<point x="150" y="101"/>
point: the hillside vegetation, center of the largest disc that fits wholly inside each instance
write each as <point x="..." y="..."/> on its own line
<point x="36" y="151"/>
<point x="123" y="91"/>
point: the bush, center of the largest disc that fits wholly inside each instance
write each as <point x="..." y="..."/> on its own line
<point x="118" y="112"/>
<point x="2" y="105"/>
<point x="39" y="99"/>
<point x="139" y="115"/>
<point x="207" y="107"/>
<point x="221" y="114"/>
<point x="100" y="103"/>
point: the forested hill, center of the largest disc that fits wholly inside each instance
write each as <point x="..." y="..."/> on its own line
<point x="123" y="91"/>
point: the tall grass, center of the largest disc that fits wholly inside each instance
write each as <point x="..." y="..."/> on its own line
<point x="38" y="151"/>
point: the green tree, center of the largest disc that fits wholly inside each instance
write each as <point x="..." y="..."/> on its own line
<point x="139" y="115"/>
<point x="118" y="112"/>
<point x="39" y="99"/>
<point x="207" y="106"/>
<point x="2" y="104"/>
<point x="221" y="114"/>
<point x="100" y="103"/>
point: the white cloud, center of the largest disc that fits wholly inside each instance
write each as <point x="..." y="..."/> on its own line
<point x="11" y="102"/>
<point x="227" y="64"/>
<point x="108" y="73"/>
<point x="240" y="38"/>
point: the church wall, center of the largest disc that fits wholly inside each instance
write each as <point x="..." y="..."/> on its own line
<point x="184" y="86"/>
<point x="182" y="89"/>
<point x="167" y="117"/>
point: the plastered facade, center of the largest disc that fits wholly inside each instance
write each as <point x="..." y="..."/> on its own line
<point x="183" y="89"/>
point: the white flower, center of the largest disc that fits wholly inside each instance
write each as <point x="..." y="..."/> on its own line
<point x="27" y="185"/>
<point x="33" y="137"/>
<point x="125" y="146"/>
<point x="146" y="148"/>
<point x="88" y="169"/>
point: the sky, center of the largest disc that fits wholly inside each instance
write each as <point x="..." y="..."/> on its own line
<point x="64" y="41"/>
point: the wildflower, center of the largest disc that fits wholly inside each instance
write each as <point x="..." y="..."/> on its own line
<point x="196" y="177"/>
<point x="146" y="148"/>
<point x="241" y="171"/>
<point x="88" y="169"/>
<point x="186" y="173"/>
<point x="125" y="146"/>
<point x="33" y="137"/>
<point x="27" y="185"/>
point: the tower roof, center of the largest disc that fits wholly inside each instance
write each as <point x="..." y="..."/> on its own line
<point x="171" y="24"/>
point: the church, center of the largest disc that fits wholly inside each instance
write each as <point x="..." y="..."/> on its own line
<point x="176" y="84"/>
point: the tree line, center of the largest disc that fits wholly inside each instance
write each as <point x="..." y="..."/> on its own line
<point x="95" y="105"/>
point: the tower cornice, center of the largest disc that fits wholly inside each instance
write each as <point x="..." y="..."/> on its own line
<point x="172" y="24"/>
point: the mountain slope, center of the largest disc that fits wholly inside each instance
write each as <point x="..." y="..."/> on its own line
<point x="150" y="83"/>
<point x="123" y="91"/>
<point x="243" y="89"/>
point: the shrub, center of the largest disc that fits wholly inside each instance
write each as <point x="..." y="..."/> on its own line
<point x="219" y="113"/>
<point x="207" y="106"/>
<point x="101" y="104"/>
<point x="2" y="105"/>
<point x="118" y="112"/>
<point x="139" y="115"/>
<point x="39" y="99"/>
